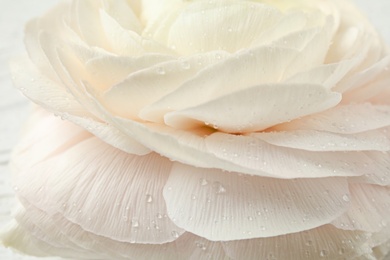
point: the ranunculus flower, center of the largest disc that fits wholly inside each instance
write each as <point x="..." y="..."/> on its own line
<point x="204" y="129"/>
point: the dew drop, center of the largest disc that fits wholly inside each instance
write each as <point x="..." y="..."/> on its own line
<point x="341" y="251"/>
<point x="346" y="198"/>
<point x="263" y="228"/>
<point x="309" y="243"/>
<point x="203" y="182"/>
<point x="134" y="223"/>
<point x="186" y="65"/>
<point x="159" y="216"/>
<point x="175" y="234"/>
<point x="193" y="197"/>
<point x="149" y="198"/>
<point x="218" y="188"/>
<point x="250" y="218"/>
<point x="323" y="253"/>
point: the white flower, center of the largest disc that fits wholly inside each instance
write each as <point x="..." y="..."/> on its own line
<point x="221" y="129"/>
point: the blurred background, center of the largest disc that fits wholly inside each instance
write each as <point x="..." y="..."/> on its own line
<point x="14" y="108"/>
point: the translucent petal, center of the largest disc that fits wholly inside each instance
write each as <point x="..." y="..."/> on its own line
<point x="223" y="206"/>
<point x="369" y="210"/>
<point x="106" y="191"/>
<point x="325" y="242"/>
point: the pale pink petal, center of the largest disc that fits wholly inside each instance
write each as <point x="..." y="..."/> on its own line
<point x="223" y="206"/>
<point x="268" y="105"/>
<point x="378" y="176"/>
<point x="344" y="119"/>
<point x="326" y="242"/>
<point x="369" y="210"/>
<point x="313" y="140"/>
<point x="106" y="191"/>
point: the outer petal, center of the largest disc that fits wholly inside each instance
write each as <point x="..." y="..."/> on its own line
<point x="107" y="191"/>
<point x="223" y="206"/>
<point x="326" y="242"/>
<point x="369" y="211"/>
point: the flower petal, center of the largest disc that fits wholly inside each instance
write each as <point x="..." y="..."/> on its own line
<point x="107" y="191"/>
<point x="269" y="105"/>
<point x="369" y="210"/>
<point x="325" y="242"/>
<point x="223" y="206"/>
<point x="344" y="119"/>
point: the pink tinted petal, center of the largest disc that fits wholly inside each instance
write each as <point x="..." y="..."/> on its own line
<point x="223" y="206"/>
<point x="369" y="210"/>
<point x="325" y="242"/>
<point x="106" y="191"/>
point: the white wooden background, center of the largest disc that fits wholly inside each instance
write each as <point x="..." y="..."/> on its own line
<point x="14" y="108"/>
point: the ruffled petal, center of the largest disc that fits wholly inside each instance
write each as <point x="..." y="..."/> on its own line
<point x="369" y="210"/>
<point x="326" y="242"/>
<point x="222" y="206"/>
<point x="344" y="119"/>
<point x="107" y="191"/>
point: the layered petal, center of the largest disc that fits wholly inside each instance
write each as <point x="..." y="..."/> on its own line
<point x="223" y="206"/>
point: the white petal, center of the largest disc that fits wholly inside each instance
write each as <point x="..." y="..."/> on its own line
<point x="344" y="119"/>
<point x="238" y="24"/>
<point x="312" y="140"/>
<point x="380" y="175"/>
<point x="223" y="206"/>
<point x="369" y="210"/>
<point x="146" y="86"/>
<point x="264" y="159"/>
<point x="123" y="12"/>
<point x="256" y="108"/>
<point x="237" y="72"/>
<point x="325" y="242"/>
<point x="106" y="185"/>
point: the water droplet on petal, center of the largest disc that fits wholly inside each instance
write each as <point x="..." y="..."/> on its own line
<point x="149" y="198"/>
<point x="161" y="71"/>
<point x="203" y="182"/>
<point x="175" y="234"/>
<point x="323" y="253"/>
<point x="218" y="188"/>
<point x="134" y="223"/>
<point x="346" y="197"/>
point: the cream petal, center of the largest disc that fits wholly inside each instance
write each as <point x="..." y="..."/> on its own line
<point x="252" y="153"/>
<point x="123" y="12"/>
<point x="369" y="210"/>
<point x="223" y="206"/>
<point x="378" y="176"/>
<point x="53" y="97"/>
<point x="107" y="183"/>
<point x="313" y="140"/>
<point x="325" y="242"/>
<point x="143" y="87"/>
<point x="237" y="72"/>
<point x="86" y="17"/>
<point x="270" y="105"/>
<point x="238" y="24"/>
<point x="344" y="119"/>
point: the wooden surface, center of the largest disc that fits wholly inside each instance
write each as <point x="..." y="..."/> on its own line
<point x="14" y="108"/>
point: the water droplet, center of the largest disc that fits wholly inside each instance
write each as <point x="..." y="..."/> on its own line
<point x="323" y="253"/>
<point x="203" y="182"/>
<point x="263" y="228"/>
<point x="134" y="223"/>
<point x="193" y="197"/>
<point x="161" y="71"/>
<point x="159" y="216"/>
<point x="175" y="234"/>
<point x="156" y="227"/>
<point x="341" y="251"/>
<point x="149" y="198"/>
<point x="250" y="218"/>
<point x="218" y="188"/>
<point x="346" y="197"/>
<point x="309" y="243"/>
<point x="16" y="188"/>
<point x="218" y="56"/>
<point x="201" y="246"/>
